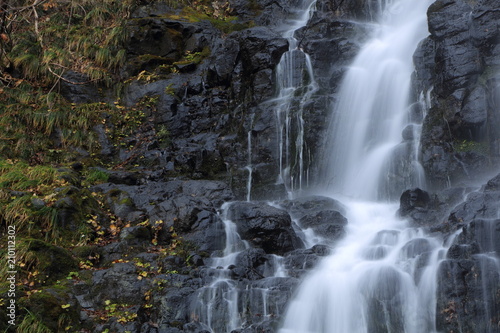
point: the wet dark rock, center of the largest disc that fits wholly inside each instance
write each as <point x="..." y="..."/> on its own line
<point x="264" y="226"/>
<point x="482" y="234"/>
<point x="276" y="292"/>
<point x="418" y="206"/>
<point x="312" y="204"/>
<point x="119" y="284"/>
<point x="382" y="291"/>
<point x="413" y="199"/>
<point x="175" y="307"/>
<point x="196" y="327"/>
<point x="478" y="205"/>
<point x="328" y="224"/>
<point x="455" y="62"/>
<point x="251" y="264"/>
<point x="362" y="10"/>
<point x="188" y="206"/>
<point x="331" y="45"/>
<point x="122" y="205"/>
<point x="322" y="217"/>
<point x="462" y="251"/>
<point x="485" y="32"/>
<point x="299" y="262"/>
<point x="119" y="250"/>
<point x="268" y="326"/>
<point x="416" y="247"/>
<point x="467" y="295"/>
<point x="469" y="284"/>
<point x="124" y="177"/>
<point x="424" y="76"/>
<point x="159" y="40"/>
<point x="493" y="184"/>
<point x="408" y="132"/>
<point x="136" y="235"/>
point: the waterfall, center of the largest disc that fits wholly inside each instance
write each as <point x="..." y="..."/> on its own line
<point x="382" y="276"/>
<point x="371" y="112"/>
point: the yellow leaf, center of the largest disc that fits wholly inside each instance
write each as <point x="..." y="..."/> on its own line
<point x="65" y="306"/>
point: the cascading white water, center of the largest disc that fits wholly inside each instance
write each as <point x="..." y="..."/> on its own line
<point x="371" y="112"/>
<point x="381" y="278"/>
<point x="294" y="72"/>
<point x="382" y="275"/>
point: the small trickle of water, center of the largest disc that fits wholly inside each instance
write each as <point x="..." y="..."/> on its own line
<point x="296" y="85"/>
<point x="225" y="304"/>
<point x="249" y="166"/>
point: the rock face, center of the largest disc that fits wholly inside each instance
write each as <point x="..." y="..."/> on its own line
<point x="469" y="282"/>
<point x="190" y="207"/>
<point x="208" y="100"/>
<point x="264" y="226"/>
<point x="456" y="64"/>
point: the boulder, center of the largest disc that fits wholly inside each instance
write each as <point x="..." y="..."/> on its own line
<point x="264" y="226"/>
<point x="299" y="262"/>
<point x="418" y="206"/>
<point x="311" y="204"/>
<point x="251" y="264"/>
<point x="328" y="224"/>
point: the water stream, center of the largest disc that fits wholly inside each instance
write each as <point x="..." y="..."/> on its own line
<point x="294" y="75"/>
<point x="382" y="276"/>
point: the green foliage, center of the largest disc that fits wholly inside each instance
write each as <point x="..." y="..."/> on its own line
<point x="194" y="57"/>
<point x="163" y="136"/>
<point x="19" y="176"/>
<point x="33" y="122"/>
<point x="85" y="36"/>
<point x="219" y="19"/>
<point x="32" y="324"/>
<point x="96" y="176"/>
<point x="467" y="146"/>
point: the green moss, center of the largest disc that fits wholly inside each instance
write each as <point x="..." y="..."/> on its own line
<point x="126" y="202"/>
<point x="96" y="176"/>
<point x="83" y="252"/>
<point x="163" y="136"/>
<point x="52" y="262"/>
<point x="466" y="146"/>
<point x="32" y="324"/>
<point x="51" y="309"/>
<point x="19" y="176"/>
<point x="194" y="57"/>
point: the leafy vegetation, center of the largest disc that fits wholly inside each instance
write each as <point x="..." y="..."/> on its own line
<point x="51" y="148"/>
<point x="216" y="12"/>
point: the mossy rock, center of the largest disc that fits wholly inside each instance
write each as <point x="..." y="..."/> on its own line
<point x="52" y="262"/>
<point x="83" y="252"/>
<point x="74" y="205"/>
<point x="54" y="307"/>
<point x="70" y="176"/>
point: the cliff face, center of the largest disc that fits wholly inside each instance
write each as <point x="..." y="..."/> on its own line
<point x="458" y="65"/>
<point x="203" y="91"/>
